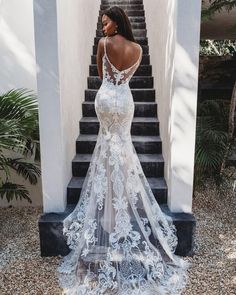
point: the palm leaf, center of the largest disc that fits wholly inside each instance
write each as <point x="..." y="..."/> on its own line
<point x="19" y="128"/>
<point x="12" y="190"/>
<point x="211" y="137"/>
<point x="27" y="170"/>
<point x="216" y="6"/>
<point x="18" y="103"/>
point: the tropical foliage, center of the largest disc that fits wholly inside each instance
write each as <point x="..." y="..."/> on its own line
<point x="19" y="134"/>
<point x="215" y="137"/>
<point x="216" y="6"/>
<point x="218" y="47"/>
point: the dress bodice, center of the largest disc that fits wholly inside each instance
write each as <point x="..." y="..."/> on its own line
<point x="115" y="76"/>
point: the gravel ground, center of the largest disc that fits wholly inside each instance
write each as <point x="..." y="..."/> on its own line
<point x="213" y="271"/>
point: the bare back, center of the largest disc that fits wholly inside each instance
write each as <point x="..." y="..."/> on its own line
<point x="121" y="52"/>
<point x="125" y="55"/>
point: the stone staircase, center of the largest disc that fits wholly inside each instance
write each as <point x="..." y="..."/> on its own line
<point x="145" y="137"/>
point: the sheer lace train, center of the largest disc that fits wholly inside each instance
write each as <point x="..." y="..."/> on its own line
<point x="120" y="239"/>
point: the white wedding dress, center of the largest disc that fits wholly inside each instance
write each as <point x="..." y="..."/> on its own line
<point x="121" y="242"/>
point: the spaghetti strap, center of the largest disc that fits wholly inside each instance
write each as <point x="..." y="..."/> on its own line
<point x="105" y="46"/>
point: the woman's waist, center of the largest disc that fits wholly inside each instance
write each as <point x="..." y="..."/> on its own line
<point x="117" y="86"/>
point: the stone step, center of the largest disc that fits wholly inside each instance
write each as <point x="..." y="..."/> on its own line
<point x="142" y="109"/>
<point x="130" y="12"/>
<point x="120" y="2"/>
<point x="137" y="19"/>
<point x="152" y="164"/>
<point x="125" y="6"/>
<point x="157" y="184"/>
<point x="85" y="144"/>
<point x="139" y="126"/>
<point x="138" y="94"/>
<point x="144" y="47"/>
<point x="144" y="61"/>
<point x="53" y="242"/>
<point x="134" y="25"/>
<point x="135" y="82"/>
<point x="139" y="40"/>
<point x="142" y="70"/>
<point x="136" y="33"/>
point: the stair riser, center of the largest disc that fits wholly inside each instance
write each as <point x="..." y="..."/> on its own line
<point x="136" y="128"/>
<point x="53" y="242"/>
<point x="147" y="95"/>
<point x="133" y="26"/>
<point x="130" y="12"/>
<point x="144" y="47"/>
<point x="135" y="82"/>
<point x="120" y="2"/>
<point x="132" y="19"/>
<point x="85" y="147"/>
<point x="150" y="169"/>
<point x="144" y="61"/>
<point x="139" y="111"/>
<point x="143" y="70"/>
<point x="73" y="195"/>
<point x="125" y="7"/>
<point x="136" y="33"/>
<point x="139" y="40"/>
<point x="137" y="19"/>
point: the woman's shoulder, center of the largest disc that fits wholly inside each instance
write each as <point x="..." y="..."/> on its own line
<point x="101" y="42"/>
<point x="120" y="38"/>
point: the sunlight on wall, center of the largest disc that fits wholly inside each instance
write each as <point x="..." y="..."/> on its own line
<point x="17" y="53"/>
<point x="173" y="38"/>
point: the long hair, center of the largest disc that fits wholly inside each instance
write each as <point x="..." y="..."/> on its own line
<point x="118" y="15"/>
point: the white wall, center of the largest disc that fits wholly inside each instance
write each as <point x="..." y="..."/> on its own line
<point x="17" y="53"/>
<point x="64" y="30"/>
<point x="173" y="34"/>
<point x="18" y="69"/>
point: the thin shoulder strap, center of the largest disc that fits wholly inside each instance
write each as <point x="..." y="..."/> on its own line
<point x="105" y="45"/>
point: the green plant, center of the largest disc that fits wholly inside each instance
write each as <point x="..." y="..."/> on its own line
<point x="19" y="132"/>
<point x="217" y="47"/>
<point x="216" y="6"/>
<point x="212" y="140"/>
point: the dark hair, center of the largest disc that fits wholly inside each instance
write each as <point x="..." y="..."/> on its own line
<point x="118" y="15"/>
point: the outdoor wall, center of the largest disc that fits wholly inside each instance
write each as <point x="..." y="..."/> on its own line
<point x="220" y="26"/>
<point x="18" y="69"/>
<point x="64" y="30"/>
<point x="173" y="34"/>
<point x="17" y="52"/>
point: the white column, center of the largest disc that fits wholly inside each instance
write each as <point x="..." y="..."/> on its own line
<point x="173" y="30"/>
<point x="184" y="106"/>
<point x="64" y="36"/>
<point x="50" y="101"/>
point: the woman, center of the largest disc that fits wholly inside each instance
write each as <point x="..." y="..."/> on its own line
<point x="120" y="240"/>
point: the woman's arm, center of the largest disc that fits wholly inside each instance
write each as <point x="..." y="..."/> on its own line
<point x="100" y="53"/>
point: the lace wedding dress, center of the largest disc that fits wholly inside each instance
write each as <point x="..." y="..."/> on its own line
<point x="121" y="242"/>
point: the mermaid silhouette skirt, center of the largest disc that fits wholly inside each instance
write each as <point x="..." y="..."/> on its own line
<point x="121" y="242"/>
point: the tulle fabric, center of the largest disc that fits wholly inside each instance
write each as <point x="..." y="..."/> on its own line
<point x="120" y="239"/>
